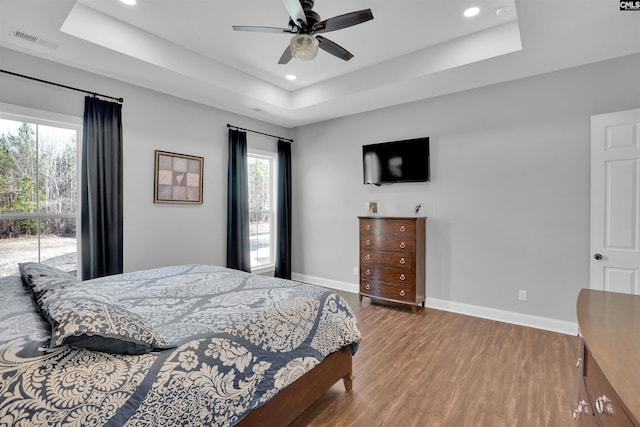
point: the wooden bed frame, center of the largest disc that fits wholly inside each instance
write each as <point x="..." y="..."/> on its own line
<point x="293" y="400"/>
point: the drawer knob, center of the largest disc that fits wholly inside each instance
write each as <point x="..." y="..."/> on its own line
<point x="402" y="228"/>
<point x="579" y="362"/>
<point x="402" y="293"/>
<point x="367" y="272"/>
<point x="579" y="409"/>
<point x="603" y="402"/>
<point x="402" y="277"/>
<point x="402" y="261"/>
<point x="367" y="242"/>
<point x="367" y="286"/>
<point x="367" y="227"/>
<point x="367" y="257"/>
<point x="402" y="245"/>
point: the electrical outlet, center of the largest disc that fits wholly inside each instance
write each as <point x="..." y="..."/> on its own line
<point x="356" y="271"/>
<point x="522" y="295"/>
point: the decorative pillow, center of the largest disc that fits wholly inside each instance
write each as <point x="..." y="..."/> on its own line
<point x="42" y="286"/>
<point x="83" y="317"/>
<point x="30" y="271"/>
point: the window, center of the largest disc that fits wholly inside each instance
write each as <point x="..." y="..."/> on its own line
<point x="261" y="172"/>
<point x="38" y="189"/>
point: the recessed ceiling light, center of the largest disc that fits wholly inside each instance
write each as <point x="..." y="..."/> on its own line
<point x="290" y="77"/>
<point x="502" y="10"/>
<point x="472" y="11"/>
<point x="129" y="2"/>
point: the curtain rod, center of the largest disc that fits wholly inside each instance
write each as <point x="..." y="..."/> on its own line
<point x="61" y="85"/>
<point x="261" y="133"/>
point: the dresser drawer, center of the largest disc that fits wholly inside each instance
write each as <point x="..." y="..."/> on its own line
<point x="395" y="227"/>
<point x="386" y="291"/>
<point x="386" y="243"/>
<point x="388" y="275"/>
<point x="387" y="259"/>
<point x="605" y="402"/>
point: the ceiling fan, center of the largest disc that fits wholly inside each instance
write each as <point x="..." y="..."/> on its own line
<point x="305" y="24"/>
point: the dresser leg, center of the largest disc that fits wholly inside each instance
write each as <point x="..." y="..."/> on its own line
<point x="360" y="298"/>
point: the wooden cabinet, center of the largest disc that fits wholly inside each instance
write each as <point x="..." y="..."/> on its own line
<point x="392" y="259"/>
<point x="609" y="390"/>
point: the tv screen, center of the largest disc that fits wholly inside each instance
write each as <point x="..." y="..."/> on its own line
<point x="397" y="161"/>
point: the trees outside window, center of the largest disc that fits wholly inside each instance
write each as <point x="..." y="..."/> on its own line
<point x="261" y="174"/>
<point x="38" y="192"/>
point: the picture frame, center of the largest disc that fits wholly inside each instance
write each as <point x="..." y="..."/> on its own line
<point x="177" y="178"/>
<point x="373" y="207"/>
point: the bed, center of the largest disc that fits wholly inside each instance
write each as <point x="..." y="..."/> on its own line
<point x="193" y="345"/>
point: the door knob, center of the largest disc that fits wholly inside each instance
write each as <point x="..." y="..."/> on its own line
<point x="598" y="257"/>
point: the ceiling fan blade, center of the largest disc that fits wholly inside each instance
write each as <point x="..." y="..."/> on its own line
<point x="343" y="21"/>
<point x="261" y="29"/>
<point x="286" y="56"/>
<point x="333" y="48"/>
<point x="295" y="11"/>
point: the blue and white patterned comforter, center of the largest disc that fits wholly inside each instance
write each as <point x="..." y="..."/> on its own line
<point x="237" y="339"/>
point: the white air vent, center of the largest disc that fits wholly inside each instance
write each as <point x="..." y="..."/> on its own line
<point x="23" y="35"/>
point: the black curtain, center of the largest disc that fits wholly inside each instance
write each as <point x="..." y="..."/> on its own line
<point x="238" y="256"/>
<point x="101" y="193"/>
<point x="283" y="212"/>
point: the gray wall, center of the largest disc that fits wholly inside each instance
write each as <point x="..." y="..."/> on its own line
<point x="154" y="234"/>
<point x="508" y="204"/>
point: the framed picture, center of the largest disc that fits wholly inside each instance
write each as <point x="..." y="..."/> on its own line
<point x="178" y="178"/>
<point x="373" y="207"/>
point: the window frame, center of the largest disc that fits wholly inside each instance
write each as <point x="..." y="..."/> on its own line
<point x="273" y="159"/>
<point x="48" y="118"/>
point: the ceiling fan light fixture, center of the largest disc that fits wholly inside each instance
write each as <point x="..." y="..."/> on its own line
<point x="304" y="47"/>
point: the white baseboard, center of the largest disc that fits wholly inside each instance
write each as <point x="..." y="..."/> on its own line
<point x="548" y="324"/>
<point x="513" y="317"/>
<point x="327" y="283"/>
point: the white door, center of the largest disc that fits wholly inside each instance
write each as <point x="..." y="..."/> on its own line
<point x="615" y="201"/>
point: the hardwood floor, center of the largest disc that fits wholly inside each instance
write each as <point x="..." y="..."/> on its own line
<point x="437" y="368"/>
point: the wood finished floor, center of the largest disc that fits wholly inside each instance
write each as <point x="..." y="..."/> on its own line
<point x="436" y="368"/>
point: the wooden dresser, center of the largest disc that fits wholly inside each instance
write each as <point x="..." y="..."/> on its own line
<point x="609" y="390"/>
<point x="392" y="259"/>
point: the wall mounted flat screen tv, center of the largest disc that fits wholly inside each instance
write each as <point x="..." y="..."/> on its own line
<point x="396" y="161"/>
